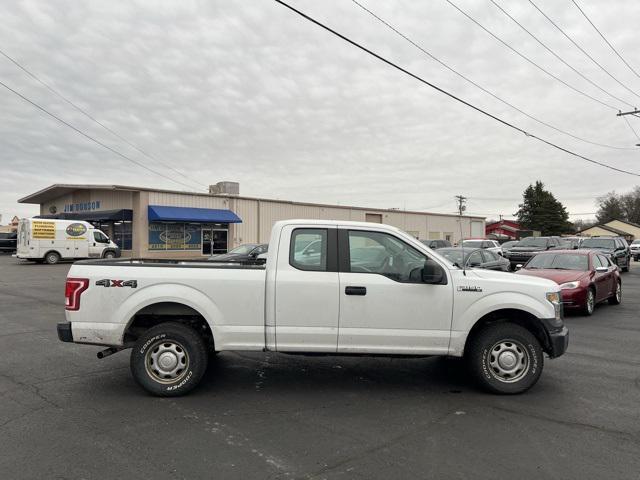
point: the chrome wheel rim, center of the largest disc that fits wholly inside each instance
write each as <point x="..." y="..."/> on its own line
<point x="166" y="361"/>
<point x="591" y="301"/>
<point x="508" y="361"/>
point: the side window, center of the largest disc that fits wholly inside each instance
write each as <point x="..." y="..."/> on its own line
<point x="475" y="258"/>
<point x="489" y="256"/>
<point x="597" y="262"/>
<point x="99" y="237"/>
<point x="384" y="254"/>
<point x="308" y="249"/>
<point x="604" y="261"/>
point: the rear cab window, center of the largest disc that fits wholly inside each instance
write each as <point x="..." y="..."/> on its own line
<point x="308" y="249"/>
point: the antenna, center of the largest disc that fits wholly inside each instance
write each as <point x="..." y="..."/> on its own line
<point x="461" y="208"/>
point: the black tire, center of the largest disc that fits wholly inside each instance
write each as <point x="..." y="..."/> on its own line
<point x="184" y="351"/>
<point x="616" y="299"/>
<point x="109" y="254"/>
<point x="52" y="258"/>
<point x="588" y="308"/>
<point x="626" y="265"/>
<point x="515" y="343"/>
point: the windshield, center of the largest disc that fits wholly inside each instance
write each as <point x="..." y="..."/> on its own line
<point x="533" y="242"/>
<point x="243" y="249"/>
<point x="636" y="242"/>
<point x="599" y="243"/>
<point x="472" y="243"/>
<point x="453" y="255"/>
<point x="559" y="262"/>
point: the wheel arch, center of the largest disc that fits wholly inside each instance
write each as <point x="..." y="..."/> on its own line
<point x="516" y="316"/>
<point x="166" y="311"/>
<point x="167" y="302"/>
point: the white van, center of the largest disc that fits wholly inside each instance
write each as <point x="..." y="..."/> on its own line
<point x="49" y="241"/>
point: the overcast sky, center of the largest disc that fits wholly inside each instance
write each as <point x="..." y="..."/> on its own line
<point x="248" y="91"/>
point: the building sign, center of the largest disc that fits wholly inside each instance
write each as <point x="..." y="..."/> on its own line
<point x="43" y="230"/>
<point x="82" y="207"/>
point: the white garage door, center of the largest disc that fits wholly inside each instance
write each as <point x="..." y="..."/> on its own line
<point x="477" y="229"/>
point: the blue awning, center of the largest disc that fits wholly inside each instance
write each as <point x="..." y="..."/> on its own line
<point x="185" y="214"/>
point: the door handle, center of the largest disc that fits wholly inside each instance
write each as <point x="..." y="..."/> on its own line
<point x="355" y="290"/>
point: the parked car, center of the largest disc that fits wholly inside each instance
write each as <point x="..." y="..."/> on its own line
<point x="475" y="258"/>
<point x="49" y="241"/>
<point x="491" y="245"/>
<point x="385" y="290"/>
<point x="507" y="246"/>
<point x="616" y="248"/>
<point x="635" y="249"/>
<point x="243" y="253"/>
<point x="8" y="242"/>
<point x="436" y="244"/>
<point x="586" y="277"/>
<point x="528" y="247"/>
<point x="569" y="243"/>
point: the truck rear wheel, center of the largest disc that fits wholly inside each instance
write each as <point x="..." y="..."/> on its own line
<point x="505" y="358"/>
<point x="52" y="258"/>
<point x="169" y="359"/>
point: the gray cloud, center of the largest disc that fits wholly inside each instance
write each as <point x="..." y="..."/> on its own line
<point x="248" y="91"/>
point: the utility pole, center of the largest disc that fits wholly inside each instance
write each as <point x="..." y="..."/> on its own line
<point x="461" y="203"/>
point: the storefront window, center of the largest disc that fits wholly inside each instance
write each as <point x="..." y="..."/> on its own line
<point x="185" y="236"/>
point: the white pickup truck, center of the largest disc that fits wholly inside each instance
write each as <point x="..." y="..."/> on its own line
<point x="327" y="288"/>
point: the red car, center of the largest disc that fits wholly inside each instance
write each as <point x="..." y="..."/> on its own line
<point x="586" y="277"/>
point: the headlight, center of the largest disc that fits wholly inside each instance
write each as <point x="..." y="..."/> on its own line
<point x="569" y="285"/>
<point x="554" y="297"/>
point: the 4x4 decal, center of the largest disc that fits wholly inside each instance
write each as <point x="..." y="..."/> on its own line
<point x="106" y="282"/>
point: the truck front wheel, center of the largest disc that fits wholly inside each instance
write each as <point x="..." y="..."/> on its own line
<point x="169" y="359"/>
<point x="505" y="358"/>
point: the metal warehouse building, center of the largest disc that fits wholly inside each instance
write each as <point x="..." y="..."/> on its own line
<point x="147" y="222"/>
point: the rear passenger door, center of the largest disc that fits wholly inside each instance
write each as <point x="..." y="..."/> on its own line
<point x="306" y="290"/>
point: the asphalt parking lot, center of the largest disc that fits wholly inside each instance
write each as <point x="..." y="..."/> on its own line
<point x="65" y="414"/>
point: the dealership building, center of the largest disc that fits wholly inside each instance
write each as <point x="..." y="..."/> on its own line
<point x="153" y="223"/>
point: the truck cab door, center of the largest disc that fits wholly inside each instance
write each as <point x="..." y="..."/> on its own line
<point x="385" y="305"/>
<point x="97" y="243"/>
<point x="306" y="290"/>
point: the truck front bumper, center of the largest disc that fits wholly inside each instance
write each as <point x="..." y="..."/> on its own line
<point x="64" y="332"/>
<point x="557" y="336"/>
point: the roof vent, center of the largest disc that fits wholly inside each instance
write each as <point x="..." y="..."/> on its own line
<point x="225" y="188"/>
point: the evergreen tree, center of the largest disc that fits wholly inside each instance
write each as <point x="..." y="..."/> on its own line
<point x="610" y="208"/>
<point x="541" y="211"/>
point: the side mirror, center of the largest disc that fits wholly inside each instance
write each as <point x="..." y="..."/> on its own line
<point x="518" y="266"/>
<point x="432" y="273"/>
<point x="602" y="269"/>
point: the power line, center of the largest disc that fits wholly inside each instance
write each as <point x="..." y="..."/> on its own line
<point x="631" y="127"/>
<point x="458" y="99"/>
<point x="92" y="118"/>
<point x="469" y="80"/>
<point x="113" y="150"/>
<point x="582" y="49"/>
<point x="527" y="58"/>
<point x="552" y="52"/>
<point x="606" y="41"/>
